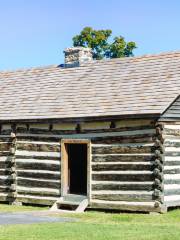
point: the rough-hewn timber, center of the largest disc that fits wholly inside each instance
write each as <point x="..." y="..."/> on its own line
<point x="126" y="162"/>
<point x="172" y="164"/>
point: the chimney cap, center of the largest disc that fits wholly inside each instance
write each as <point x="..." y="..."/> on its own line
<point x="77" y="49"/>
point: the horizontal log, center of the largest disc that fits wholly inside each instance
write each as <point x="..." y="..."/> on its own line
<point x="38" y="191"/>
<point x="4" y="165"/>
<point x="37" y="155"/>
<point x="172" y="178"/>
<point x="172" y="149"/>
<point x="37" y="158"/>
<point x="146" y="138"/>
<point x="6" y="131"/>
<point x="5" y="146"/>
<point x="47" y="131"/>
<point x="37" y="166"/>
<point x="95" y="130"/>
<point x="6" y="197"/>
<point x="172" y="163"/>
<point x="38" y="174"/>
<point x="5" y="158"/>
<point x="172" y="144"/>
<point x="84" y="135"/>
<point x="5" y="172"/>
<point x="172" y="170"/>
<point x="41" y="161"/>
<point x="175" y="132"/>
<point x="119" y="129"/>
<point x="36" y="137"/>
<point x="39" y="147"/>
<point x="36" y="199"/>
<point x="171" y="192"/>
<point x="171" y="154"/>
<point x="100" y="185"/>
<point x="172" y="203"/>
<point x="5" y="154"/>
<point x="6" y="181"/>
<point x="120" y="148"/>
<point x="110" y="166"/>
<point x="5" y="138"/>
<point x="172" y="181"/>
<point x="172" y="198"/>
<point x="130" y="196"/>
<point x="39" y="183"/>
<point x="123" y="176"/>
<point x="126" y="206"/>
<point x="6" y="189"/>
<point x="122" y="157"/>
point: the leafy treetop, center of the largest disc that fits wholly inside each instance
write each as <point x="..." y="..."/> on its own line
<point x="97" y="40"/>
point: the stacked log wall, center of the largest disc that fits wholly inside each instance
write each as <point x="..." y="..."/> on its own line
<point x="37" y="165"/>
<point x="7" y="162"/>
<point x="127" y="167"/>
<point x="172" y="163"/>
<point x="126" y="162"/>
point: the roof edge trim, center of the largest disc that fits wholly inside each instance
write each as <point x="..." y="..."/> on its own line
<point x="83" y="119"/>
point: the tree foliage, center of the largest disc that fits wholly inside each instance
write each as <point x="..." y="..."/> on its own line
<point x="97" y="40"/>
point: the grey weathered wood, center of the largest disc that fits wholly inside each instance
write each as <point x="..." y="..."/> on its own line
<point x="141" y="197"/>
<point x="122" y="177"/>
<point x="30" y="140"/>
<point x="5" y="146"/>
<point x="170" y="153"/>
<point x="6" y="181"/>
<point x="147" y="138"/>
<point x="172" y="171"/>
<point x="123" y="186"/>
<point x="127" y="206"/>
<point x="37" y="166"/>
<point x="36" y="157"/>
<point x="38" y="147"/>
<point x="120" y="149"/>
<point x="172" y="192"/>
<point x="119" y="166"/>
<point x="122" y="158"/>
<point x="73" y="131"/>
<point x="175" y="132"/>
<point x="172" y="163"/>
<point x="38" y="183"/>
<point x="171" y="181"/>
<point x="44" y="193"/>
<point x="40" y="175"/>
<point x="35" y="200"/>
<point x="119" y="129"/>
<point x="172" y="144"/>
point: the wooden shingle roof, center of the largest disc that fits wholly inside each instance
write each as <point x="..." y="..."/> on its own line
<point x="125" y="86"/>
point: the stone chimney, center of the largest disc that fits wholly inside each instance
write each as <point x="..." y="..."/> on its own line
<point x="76" y="56"/>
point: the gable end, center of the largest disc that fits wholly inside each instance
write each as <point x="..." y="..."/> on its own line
<point x="172" y="113"/>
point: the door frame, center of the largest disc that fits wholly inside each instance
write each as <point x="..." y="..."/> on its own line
<point x="64" y="164"/>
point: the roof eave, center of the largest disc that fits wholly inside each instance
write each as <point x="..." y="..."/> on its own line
<point x="84" y="119"/>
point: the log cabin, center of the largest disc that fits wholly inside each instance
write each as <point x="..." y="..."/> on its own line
<point x="92" y="133"/>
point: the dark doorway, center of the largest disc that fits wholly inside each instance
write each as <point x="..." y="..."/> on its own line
<point x="77" y="168"/>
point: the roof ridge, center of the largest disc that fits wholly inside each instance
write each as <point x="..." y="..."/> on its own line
<point x="145" y="56"/>
<point x="154" y="55"/>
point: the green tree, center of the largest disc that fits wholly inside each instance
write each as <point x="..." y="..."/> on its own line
<point x="97" y="40"/>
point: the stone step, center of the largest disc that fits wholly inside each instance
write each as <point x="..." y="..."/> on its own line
<point x="65" y="202"/>
<point x="71" y="202"/>
<point x="74" y="198"/>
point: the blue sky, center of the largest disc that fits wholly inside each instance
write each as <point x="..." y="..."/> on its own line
<point x="35" y="32"/>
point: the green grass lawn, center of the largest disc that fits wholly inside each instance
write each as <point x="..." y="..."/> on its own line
<point x="97" y="225"/>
